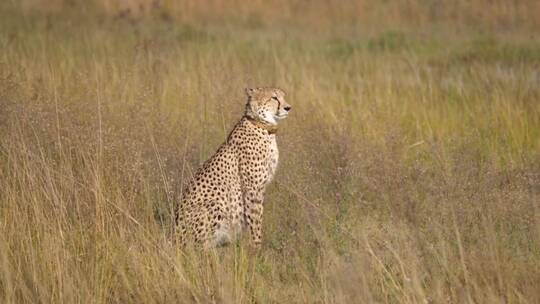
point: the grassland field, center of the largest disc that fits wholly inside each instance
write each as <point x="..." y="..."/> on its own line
<point x="409" y="166"/>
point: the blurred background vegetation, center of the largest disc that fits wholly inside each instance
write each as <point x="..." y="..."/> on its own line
<point x="409" y="166"/>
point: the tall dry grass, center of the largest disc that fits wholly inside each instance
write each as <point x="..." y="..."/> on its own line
<point x="410" y="165"/>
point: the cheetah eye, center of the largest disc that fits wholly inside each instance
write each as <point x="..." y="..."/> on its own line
<point x="274" y="98"/>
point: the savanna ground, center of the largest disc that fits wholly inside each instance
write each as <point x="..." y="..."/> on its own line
<point x="410" y="164"/>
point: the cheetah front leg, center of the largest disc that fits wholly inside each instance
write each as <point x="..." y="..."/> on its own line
<point x="253" y="211"/>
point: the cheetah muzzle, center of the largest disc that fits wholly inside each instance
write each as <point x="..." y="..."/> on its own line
<point x="226" y="196"/>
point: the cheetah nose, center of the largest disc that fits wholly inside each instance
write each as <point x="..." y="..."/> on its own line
<point x="287" y="108"/>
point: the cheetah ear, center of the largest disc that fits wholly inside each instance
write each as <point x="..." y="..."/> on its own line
<point x="250" y="92"/>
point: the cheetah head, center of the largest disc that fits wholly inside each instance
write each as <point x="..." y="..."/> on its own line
<point x="267" y="105"/>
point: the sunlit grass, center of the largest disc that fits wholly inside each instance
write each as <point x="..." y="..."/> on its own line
<point x="409" y="166"/>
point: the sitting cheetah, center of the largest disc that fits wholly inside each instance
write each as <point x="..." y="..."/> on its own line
<point x="227" y="192"/>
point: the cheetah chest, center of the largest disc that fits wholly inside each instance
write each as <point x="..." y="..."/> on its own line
<point x="273" y="157"/>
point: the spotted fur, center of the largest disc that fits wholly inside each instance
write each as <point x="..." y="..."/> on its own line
<point x="227" y="193"/>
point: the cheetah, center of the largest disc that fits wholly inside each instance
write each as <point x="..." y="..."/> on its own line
<point x="226" y="195"/>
